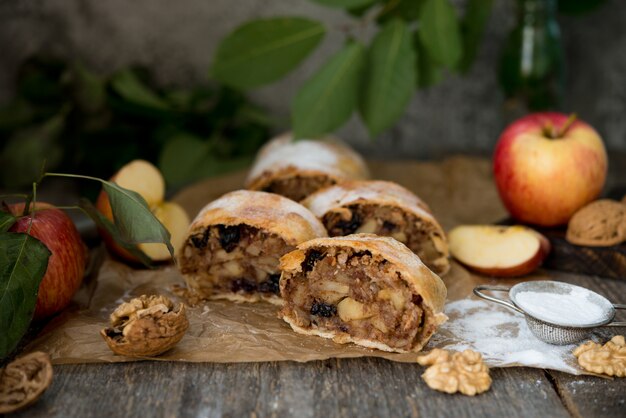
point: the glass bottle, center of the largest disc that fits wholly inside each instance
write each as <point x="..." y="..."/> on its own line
<point x="532" y="67"/>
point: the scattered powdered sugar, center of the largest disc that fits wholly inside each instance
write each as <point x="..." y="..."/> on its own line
<point x="501" y="336"/>
<point x="574" y="308"/>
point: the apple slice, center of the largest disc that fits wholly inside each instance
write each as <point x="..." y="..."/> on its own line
<point x="175" y="220"/>
<point x="144" y="178"/>
<point x="501" y="251"/>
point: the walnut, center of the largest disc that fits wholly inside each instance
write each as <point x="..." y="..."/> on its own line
<point x="609" y="359"/>
<point x="146" y="326"/>
<point x="23" y="381"/>
<point x="601" y="224"/>
<point x="459" y="372"/>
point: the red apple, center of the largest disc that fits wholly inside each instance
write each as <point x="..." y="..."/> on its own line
<point x="547" y="166"/>
<point x="500" y="251"/>
<point x="66" y="265"/>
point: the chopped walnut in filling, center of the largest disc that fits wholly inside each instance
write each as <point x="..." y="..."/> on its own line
<point x="233" y="259"/>
<point x="298" y="187"/>
<point x="423" y="239"/>
<point x="355" y="293"/>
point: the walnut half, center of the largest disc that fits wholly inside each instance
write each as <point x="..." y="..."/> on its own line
<point x="146" y="326"/>
<point x="23" y="381"/>
<point x="462" y="372"/>
<point x="609" y="359"/>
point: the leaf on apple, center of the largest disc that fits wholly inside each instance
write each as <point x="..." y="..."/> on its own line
<point x="6" y="221"/>
<point x="23" y="263"/>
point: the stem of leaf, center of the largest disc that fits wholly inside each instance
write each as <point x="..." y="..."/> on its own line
<point x="76" y="176"/>
<point x="27" y="207"/>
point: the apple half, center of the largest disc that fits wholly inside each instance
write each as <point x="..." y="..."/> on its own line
<point x="500" y="251"/>
<point x="144" y="178"/>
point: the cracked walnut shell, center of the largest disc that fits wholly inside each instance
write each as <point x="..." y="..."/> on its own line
<point x="462" y="372"/>
<point x="146" y="326"/>
<point x="600" y="224"/>
<point x="609" y="359"/>
<point x="23" y="381"/>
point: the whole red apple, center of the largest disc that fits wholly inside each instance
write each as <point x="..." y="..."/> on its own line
<point x="547" y="166"/>
<point x="66" y="265"/>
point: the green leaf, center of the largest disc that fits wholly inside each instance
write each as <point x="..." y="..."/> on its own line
<point x="102" y="222"/>
<point x="23" y="263"/>
<point x="344" y="4"/>
<point x="200" y="159"/>
<point x="6" y="221"/>
<point x="131" y="88"/>
<point x="428" y="72"/>
<point x="390" y="81"/>
<point x="262" y="51"/>
<point x="133" y="221"/>
<point x="133" y="217"/>
<point x="327" y="99"/>
<point x="476" y="16"/>
<point x="440" y="32"/>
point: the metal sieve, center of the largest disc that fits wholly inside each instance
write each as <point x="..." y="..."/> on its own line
<point x="554" y="332"/>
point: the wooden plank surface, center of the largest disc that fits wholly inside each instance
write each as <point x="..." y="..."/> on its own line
<point x="343" y="388"/>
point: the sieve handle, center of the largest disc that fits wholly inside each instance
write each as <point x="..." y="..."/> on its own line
<point x="617" y="324"/>
<point x="478" y="292"/>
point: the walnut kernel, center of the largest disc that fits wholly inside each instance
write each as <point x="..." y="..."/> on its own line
<point x="146" y="326"/>
<point x="23" y="381"/>
<point x="462" y="372"/>
<point x="609" y="359"/>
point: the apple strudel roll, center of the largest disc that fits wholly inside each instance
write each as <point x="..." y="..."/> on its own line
<point x="363" y="288"/>
<point x="296" y="169"/>
<point x="382" y="208"/>
<point x="233" y="246"/>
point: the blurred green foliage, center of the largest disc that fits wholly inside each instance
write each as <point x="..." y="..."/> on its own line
<point x="78" y="121"/>
<point x="416" y="43"/>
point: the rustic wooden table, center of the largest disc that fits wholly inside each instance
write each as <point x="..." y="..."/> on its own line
<point x="364" y="387"/>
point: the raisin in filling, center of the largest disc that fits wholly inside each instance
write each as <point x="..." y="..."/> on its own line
<point x="356" y="293"/>
<point x="229" y="237"/>
<point x="272" y="285"/>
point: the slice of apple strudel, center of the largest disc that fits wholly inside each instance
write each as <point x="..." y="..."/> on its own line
<point x="366" y="289"/>
<point x="233" y="246"/>
<point x="382" y="208"/>
<point x="296" y="169"/>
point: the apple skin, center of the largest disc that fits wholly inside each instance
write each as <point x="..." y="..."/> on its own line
<point x="66" y="266"/>
<point x="542" y="180"/>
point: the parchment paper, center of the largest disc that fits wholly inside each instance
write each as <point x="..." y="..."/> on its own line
<point x="459" y="190"/>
